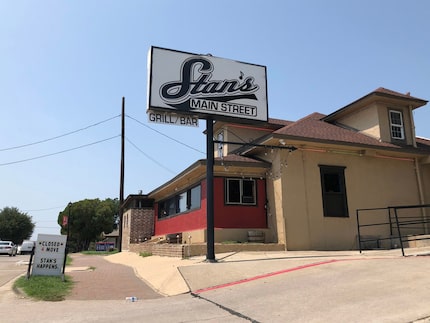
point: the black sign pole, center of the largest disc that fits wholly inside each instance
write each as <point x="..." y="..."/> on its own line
<point x="210" y="239"/>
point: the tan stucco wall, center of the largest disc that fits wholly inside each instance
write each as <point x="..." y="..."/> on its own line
<point x="276" y="232"/>
<point x="365" y="120"/>
<point x="374" y="121"/>
<point x="370" y="182"/>
<point x="425" y="178"/>
<point x="240" y="134"/>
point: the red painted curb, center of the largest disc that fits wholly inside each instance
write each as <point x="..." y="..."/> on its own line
<point x="199" y="291"/>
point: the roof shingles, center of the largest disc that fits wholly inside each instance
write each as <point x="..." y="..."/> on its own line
<point x="312" y="127"/>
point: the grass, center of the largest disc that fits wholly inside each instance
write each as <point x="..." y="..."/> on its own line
<point x="45" y="288"/>
<point x="145" y="254"/>
<point x="51" y="288"/>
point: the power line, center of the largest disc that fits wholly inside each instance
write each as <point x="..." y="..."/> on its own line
<point x="59" y="136"/>
<point x="49" y="221"/>
<point x="160" y="133"/>
<point x="59" y="152"/>
<point x="149" y="157"/>
<point x="47" y="209"/>
<point x="236" y="135"/>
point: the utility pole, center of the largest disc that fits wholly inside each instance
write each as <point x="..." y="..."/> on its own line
<point x="121" y="181"/>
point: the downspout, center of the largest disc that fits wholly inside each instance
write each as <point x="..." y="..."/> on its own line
<point x="418" y="172"/>
<point x="411" y="117"/>
<point x="421" y="193"/>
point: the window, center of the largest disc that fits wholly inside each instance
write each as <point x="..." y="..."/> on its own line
<point x="396" y="125"/>
<point x="333" y="191"/>
<point x="194" y="198"/>
<point x="240" y="191"/>
<point x="185" y="201"/>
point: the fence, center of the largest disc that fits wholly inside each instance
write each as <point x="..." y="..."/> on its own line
<point x="392" y="227"/>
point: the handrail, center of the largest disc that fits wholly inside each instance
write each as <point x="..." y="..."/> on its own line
<point x="394" y="222"/>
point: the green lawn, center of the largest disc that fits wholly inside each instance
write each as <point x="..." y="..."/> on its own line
<point x="45" y="288"/>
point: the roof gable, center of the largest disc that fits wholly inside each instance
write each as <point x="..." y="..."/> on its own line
<point x="378" y="94"/>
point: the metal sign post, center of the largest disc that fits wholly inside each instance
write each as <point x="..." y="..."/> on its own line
<point x="184" y="87"/>
<point x="210" y="255"/>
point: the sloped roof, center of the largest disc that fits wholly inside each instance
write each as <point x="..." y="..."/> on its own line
<point x="380" y="92"/>
<point x="313" y="127"/>
<point x="423" y="143"/>
<point x="279" y="122"/>
<point x="383" y="90"/>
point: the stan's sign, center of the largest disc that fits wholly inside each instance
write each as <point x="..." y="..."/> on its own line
<point x="201" y="84"/>
<point x="49" y="255"/>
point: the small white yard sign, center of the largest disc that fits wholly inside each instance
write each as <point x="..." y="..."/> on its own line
<point x="49" y="255"/>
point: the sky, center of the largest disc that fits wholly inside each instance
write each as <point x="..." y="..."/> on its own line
<point x="65" y="66"/>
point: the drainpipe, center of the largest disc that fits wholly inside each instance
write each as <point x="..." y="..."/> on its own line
<point x="421" y="194"/>
<point x="411" y="117"/>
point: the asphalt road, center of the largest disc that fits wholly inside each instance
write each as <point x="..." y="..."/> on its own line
<point x="11" y="267"/>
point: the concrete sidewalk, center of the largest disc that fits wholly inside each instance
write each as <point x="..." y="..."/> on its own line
<point x="174" y="276"/>
<point x="161" y="273"/>
<point x="375" y="286"/>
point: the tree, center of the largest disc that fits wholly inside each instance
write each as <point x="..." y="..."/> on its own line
<point x="88" y="220"/>
<point x="15" y="225"/>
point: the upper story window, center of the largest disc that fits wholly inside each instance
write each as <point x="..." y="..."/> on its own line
<point x="240" y="191"/>
<point x="396" y="125"/>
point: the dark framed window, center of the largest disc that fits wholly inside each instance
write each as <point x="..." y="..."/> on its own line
<point x="182" y="202"/>
<point x="240" y="191"/>
<point x="333" y="189"/>
<point x="396" y="125"/>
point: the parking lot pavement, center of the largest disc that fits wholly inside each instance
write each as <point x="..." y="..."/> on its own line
<point x="375" y="286"/>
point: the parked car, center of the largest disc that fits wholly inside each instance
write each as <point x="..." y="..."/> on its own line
<point x="8" y="248"/>
<point x="26" y="247"/>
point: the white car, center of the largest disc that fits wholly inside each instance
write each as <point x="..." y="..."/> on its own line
<point x="26" y="247"/>
<point x="8" y="248"/>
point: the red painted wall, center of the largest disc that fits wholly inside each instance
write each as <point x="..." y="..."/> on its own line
<point x="226" y="216"/>
<point x="239" y="216"/>
<point x="193" y="220"/>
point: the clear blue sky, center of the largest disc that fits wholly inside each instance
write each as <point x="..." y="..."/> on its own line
<point x="65" y="65"/>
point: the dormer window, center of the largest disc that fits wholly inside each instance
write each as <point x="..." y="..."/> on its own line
<point x="396" y="125"/>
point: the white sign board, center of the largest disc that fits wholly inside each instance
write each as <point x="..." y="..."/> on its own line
<point x="172" y="118"/>
<point x="49" y="255"/>
<point x="202" y="84"/>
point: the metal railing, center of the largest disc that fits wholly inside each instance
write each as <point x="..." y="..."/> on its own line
<point x="396" y="224"/>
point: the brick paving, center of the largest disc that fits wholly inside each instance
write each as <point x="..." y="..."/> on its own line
<point x="106" y="280"/>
